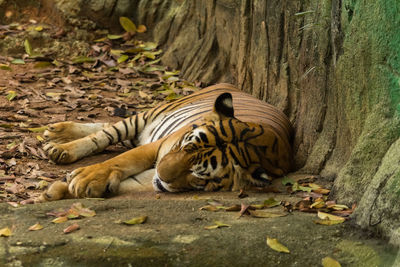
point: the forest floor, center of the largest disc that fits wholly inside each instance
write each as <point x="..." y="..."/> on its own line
<point x="50" y="74"/>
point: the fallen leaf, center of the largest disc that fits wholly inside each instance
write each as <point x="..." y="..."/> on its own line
<point x="122" y="58"/>
<point x="209" y="208"/>
<point x="5" y="67"/>
<point x="83" y="59"/>
<point x="328" y="221"/>
<point x="71" y="228"/>
<point x="338" y="207"/>
<point x="127" y="24"/>
<point x="271" y="202"/>
<point x="60" y="219"/>
<point x="36" y="227"/>
<point x="136" y="220"/>
<point x="318" y="204"/>
<point x="80" y="210"/>
<point x="141" y="28"/>
<point x="267" y="214"/>
<point x="324" y="215"/>
<point x="28" y="47"/>
<point x="287" y="181"/>
<point x="329" y="262"/>
<point x="43" y="64"/>
<point x="11" y="95"/>
<point x="243" y="209"/>
<point x="18" y="61"/>
<point x="233" y="208"/>
<point x="275" y="245"/>
<point x="297" y="187"/>
<point x="322" y="191"/>
<point x="38" y="129"/>
<point x="5" y="232"/>
<point x="218" y="224"/>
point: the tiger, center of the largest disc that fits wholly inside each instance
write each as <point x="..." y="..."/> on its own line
<point x="216" y="139"/>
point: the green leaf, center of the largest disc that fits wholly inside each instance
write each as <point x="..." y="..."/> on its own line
<point x="127" y="24"/>
<point x="43" y="64"/>
<point x="114" y="36"/>
<point x="18" y="61"/>
<point x="11" y="95"/>
<point x="286" y="180"/>
<point x="5" y="67"/>
<point x="122" y="58"/>
<point x="83" y="59"/>
<point x="149" y="46"/>
<point x="38" y="129"/>
<point x="271" y="202"/>
<point x="28" y="47"/>
<point x="297" y="187"/>
<point x="137" y="220"/>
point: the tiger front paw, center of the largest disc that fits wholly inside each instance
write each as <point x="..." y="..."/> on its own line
<point x="56" y="191"/>
<point x="60" y="153"/>
<point x="94" y="181"/>
<point x="61" y="132"/>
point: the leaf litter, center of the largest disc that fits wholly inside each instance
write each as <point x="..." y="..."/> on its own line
<point x="107" y="78"/>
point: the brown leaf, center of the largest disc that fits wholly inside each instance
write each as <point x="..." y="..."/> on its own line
<point x="243" y="209"/>
<point x="71" y="228"/>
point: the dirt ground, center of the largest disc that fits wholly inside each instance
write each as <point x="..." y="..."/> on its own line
<point x="40" y="85"/>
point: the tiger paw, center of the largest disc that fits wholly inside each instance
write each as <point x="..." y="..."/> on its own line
<point x="62" y="132"/>
<point x="61" y="153"/>
<point x="56" y="191"/>
<point x="94" y="181"/>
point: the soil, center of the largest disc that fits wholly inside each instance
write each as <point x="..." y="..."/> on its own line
<point x="35" y="94"/>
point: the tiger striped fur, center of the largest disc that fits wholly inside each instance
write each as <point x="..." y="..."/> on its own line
<point x="218" y="138"/>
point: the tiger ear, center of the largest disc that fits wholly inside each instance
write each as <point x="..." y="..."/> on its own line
<point x="223" y="106"/>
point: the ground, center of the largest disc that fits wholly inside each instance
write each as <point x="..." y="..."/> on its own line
<point x="40" y="85"/>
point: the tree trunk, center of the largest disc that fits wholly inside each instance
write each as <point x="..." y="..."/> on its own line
<point x="332" y="66"/>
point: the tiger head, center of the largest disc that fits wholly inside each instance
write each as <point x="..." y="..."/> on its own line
<point x="222" y="153"/>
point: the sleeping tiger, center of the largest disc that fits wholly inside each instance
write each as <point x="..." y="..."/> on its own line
<point x="218" y="138"/>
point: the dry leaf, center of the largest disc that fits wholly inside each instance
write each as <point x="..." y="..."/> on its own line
<point x="275" y="245"/>
<point x="71" y="228"/>
<point x="324" y="216"/>
<point x="36" y="227"/>
<point x="218" y="224"/>
<point x="209" y="208"/>
<point x="5" y="232"/>
<point x="267" y="214"/>
<point x="318" y="204"/>
<point x="60" y="219"/>
<point x="328" y="222"/>
<point x="137" y="220"/>
<point x="80" y="210"/>
<point x="243" y="209"/>
<point x="329" y="262"/>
